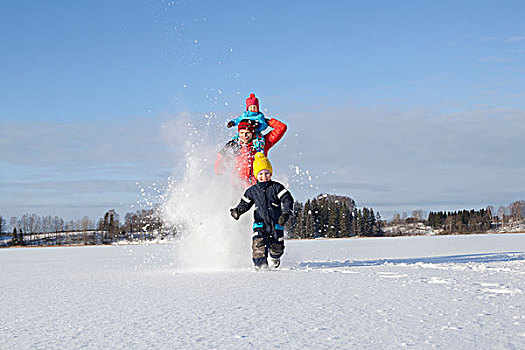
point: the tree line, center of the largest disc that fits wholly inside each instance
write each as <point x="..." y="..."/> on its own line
<point x="32" y="229"/>
<point x="328" y="216"/>
<point x="333" y="216"/>
<point x="462" y="221"/>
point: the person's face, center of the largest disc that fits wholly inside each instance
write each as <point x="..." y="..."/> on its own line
<point x="264" y="175"/>
<point x="253" y="108"/>
<point x="246" y="136"/>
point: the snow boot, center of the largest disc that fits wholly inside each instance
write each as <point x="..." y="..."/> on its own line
<point x="274" y="263"/>
<point x="261" y="265"/>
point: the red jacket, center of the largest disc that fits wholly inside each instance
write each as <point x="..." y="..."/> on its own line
<point x="241" y="154"/>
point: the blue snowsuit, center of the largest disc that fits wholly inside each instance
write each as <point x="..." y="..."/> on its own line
<point x="271" y="199"/>
<point x="258" y="117"/>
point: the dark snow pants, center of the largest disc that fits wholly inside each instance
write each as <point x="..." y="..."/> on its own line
<point x="266" y="240"/>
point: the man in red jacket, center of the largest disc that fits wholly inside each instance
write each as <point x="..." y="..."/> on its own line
<point x="240" y="151"/>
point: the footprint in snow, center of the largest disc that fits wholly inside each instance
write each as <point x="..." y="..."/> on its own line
<point x="502" y="290"/>
<point x="391" y="275"/>
<point x="436" y="280"/>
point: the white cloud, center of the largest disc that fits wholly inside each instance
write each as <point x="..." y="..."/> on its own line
<point x="415" y="156"/>
<point x="80" y="167"/>
<point x="514" y="39"/>
<point x="81" y="143"/>
<point x="394" y="159"/>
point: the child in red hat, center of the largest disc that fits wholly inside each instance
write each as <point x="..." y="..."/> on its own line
<point x="252" y="114"/>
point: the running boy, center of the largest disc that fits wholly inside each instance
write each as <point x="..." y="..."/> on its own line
<point x="273" y="206"/>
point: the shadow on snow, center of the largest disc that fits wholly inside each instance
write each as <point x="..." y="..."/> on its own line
<point x="450" y="259"/>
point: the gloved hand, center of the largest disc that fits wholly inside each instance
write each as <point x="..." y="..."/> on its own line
<point x="235" y="213"/>
<point x="283" y="218"/>
<point x="230" y="124"/>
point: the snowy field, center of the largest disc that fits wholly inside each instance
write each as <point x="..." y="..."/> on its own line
<point x="447" y="292"/>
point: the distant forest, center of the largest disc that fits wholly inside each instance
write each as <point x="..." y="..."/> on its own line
<point x="325" y="216"/>
<point x="333" y="216"/>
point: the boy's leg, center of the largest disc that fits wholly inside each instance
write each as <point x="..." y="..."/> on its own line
<point x="276" y="244"/>
<point x="259" y="246"/>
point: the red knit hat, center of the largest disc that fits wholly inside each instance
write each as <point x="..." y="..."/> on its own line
<point x="245" y="125"/>
<point x="252" y="100"/>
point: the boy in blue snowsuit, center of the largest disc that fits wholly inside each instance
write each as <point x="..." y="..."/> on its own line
<point x="273" y="207"/>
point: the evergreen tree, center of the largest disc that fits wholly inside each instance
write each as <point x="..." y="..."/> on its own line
<point x="321" y="217"/>
<point x="21" y="237"/>
<point x="355" y="222"/>
<point x="373" y="223"/>
<point x="361" y="228"/>
<point x="15" y="240"/>
<point x="366" y="229"/>
<point x="333" y="220"/>
<point x="300" y="228"/>
<point x="486" y="221"/>
<point x="379" y="225"/>
<point x="316" y="224"/>
<point x="345" y="218"/>
<point x="293" y="225"/>
<point x="309" y="220"/>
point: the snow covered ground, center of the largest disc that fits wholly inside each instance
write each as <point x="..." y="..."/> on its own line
<point x="448" y="292"/>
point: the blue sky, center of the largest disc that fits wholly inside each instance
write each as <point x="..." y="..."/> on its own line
<point x="400" y="105"/>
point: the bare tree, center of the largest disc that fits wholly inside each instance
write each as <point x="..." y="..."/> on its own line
<point x="34" y="223"/>
<point x="418" y="215"/>
<point x="70" y="226"/>
<point x="24" y="223"/>
<point x="397" y="218"/>
<point x="13" y="223"/>
<point x="517" y="209"/>
<point x="58" y="224"/>
<point x="502" y="211"/>
<point x="85" y="225"/>
<point x="404" y="217"/>
<point x="47" y="224"/>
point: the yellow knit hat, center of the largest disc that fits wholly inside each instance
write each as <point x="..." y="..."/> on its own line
<point x="260" y="163"/>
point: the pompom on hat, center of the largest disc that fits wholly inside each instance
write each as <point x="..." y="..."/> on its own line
<point x="252" y="100"/>
<point x="261" y="163"/>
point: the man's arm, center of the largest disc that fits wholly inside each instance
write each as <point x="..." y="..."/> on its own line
<point x="222" y="156"/>
<point x="270" y="139"/>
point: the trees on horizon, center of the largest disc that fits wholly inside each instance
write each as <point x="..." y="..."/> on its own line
<point x="330" y="216"/>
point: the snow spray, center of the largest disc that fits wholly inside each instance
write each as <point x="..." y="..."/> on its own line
<point x="197" y="206"/>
